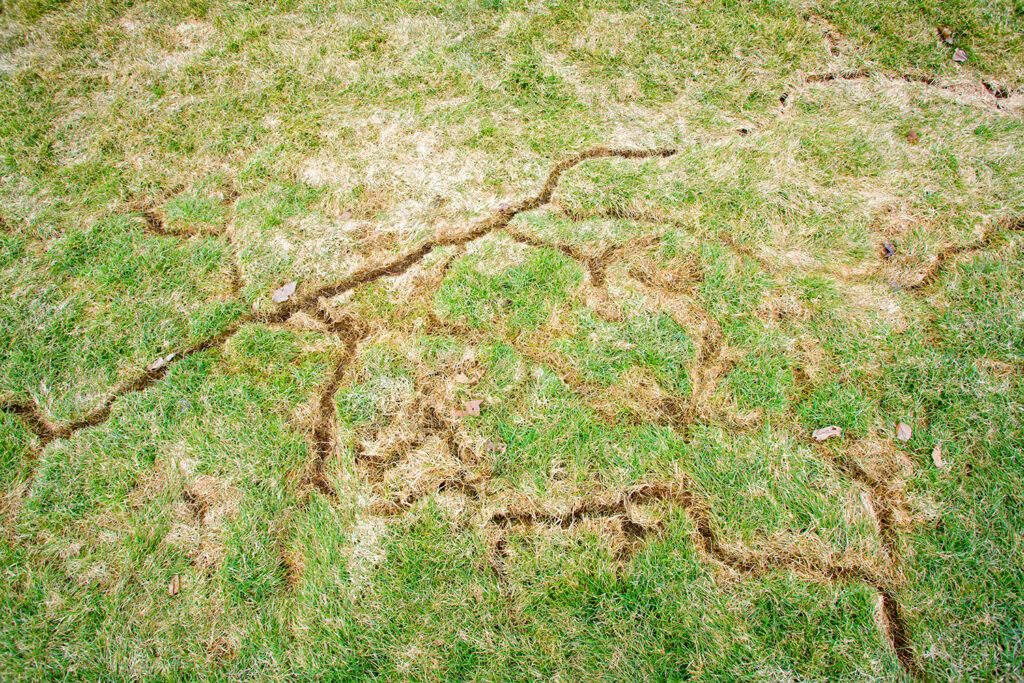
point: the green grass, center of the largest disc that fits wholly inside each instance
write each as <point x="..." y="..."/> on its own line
<point x="309" y="141"/>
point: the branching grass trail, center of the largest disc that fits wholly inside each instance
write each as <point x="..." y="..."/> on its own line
<point x="697" y="282"/>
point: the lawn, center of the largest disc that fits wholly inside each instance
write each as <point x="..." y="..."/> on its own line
<point x="422" y="340"/>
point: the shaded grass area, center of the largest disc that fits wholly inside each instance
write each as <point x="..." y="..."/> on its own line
<point x="682" y="322"/>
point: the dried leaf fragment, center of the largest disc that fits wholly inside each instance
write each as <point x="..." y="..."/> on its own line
<point x="937" y="456"/>
<point x="826" y="433"/>
<point x="959" y="56"/>
<point x="946" y="33"/>
<point x="913" y="137"/>
<point x="903" y="431"/>
<point x="284" y="292"/>
<point x="888" y="249"/>
<point x="161" y="362"/>
<point x="175" y="586"/>
<point x="463" y="378"/>
<point x="471" y="408"/>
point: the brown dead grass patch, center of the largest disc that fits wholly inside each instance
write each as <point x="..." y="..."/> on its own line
<point x="986" y="234"/>
<point x="624" y="518"/>
<point x="422" y="449"/>
<point x="630" y="517"/>
<point x="207" y="503"/>
<point x="712" y="358"/>
<point x="293" y="565"/>
<point x="323" y="444"/>
<point x="882" y="470"/>
<point x="365" y="550"/>
<point x="778" y="307"/>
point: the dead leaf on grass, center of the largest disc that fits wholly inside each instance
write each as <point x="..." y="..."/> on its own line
<point x="888" y="249"/>
<point x="463" y="378"/>
<point x="161" y="362"/>
<point x="826" y="433"/>
<point x="946" y="33"/>
<point x="913" y="137"/>
<point x="284" y="292"/>
<point x="959" y="56"/>
<point x="471" y="408"/>
<point x="903" y="431"/>
<point x="937" y="456"/>
<point x="175" y="586"/>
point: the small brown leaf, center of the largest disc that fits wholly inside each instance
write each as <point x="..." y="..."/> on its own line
<point x="161" y="362"/>
<point x="959" y="56"/>
<point x="284" y="292"/>
<point x="462" y="378"/>
<point x="913" y="137"/>
<point x="946" y="33"/>
<point x="174" y="586"/>
<point x="937" y="456"/>
<point x="903" y="431"/>
<point x="826" y="433"/>
<point x="471" y="408"/>
<point x="346" y="215"/>
<point x="888" y="249"/>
